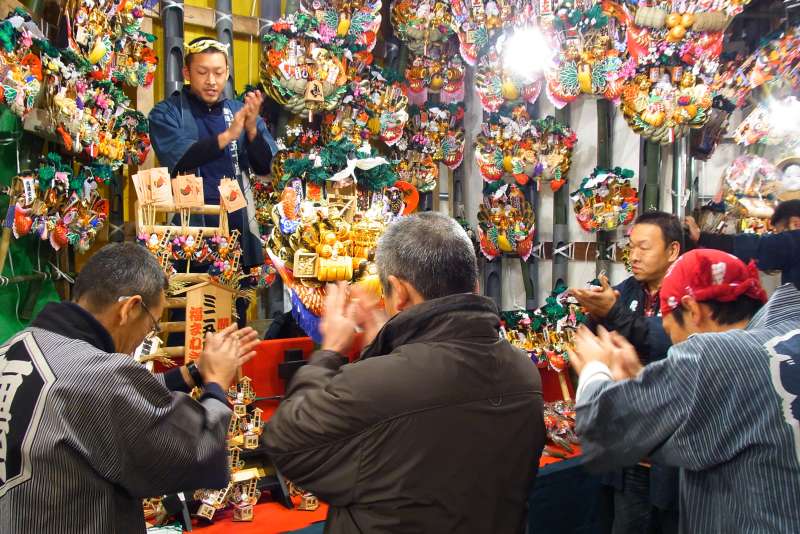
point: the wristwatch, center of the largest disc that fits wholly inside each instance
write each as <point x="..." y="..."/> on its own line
<point x="194" y="372"/>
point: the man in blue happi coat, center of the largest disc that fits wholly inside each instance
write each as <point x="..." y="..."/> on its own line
<point x="198" y="130"/>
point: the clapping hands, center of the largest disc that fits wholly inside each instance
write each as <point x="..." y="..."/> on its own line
<point x="606" y="347"/>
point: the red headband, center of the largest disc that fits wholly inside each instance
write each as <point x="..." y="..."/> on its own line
<point x="707" y="274"/>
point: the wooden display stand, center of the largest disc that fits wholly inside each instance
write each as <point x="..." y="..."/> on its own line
<point x="208" y="306"/>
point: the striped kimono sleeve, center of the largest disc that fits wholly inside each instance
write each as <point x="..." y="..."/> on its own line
<point x="668" y="413"/>
<point x="136" y="433"/>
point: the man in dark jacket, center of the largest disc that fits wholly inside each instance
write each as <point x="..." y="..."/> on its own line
<point x="645" y="497"/>
<point x="772" y="252"/>
<point x="438" y="427"/>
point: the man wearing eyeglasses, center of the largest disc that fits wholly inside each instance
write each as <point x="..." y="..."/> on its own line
<point x="85" y="431"/>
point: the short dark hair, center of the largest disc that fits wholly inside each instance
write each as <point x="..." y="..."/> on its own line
<point x="785" y="211"/>
<point x="188" y="59"/>
<point x="727" y="312"/>
<point x="120" y="270"/>
<point x="669" y="224"/>
<point x="430" y="251"/>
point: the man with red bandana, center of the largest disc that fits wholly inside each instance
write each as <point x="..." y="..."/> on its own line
<point x="723" y="406"/>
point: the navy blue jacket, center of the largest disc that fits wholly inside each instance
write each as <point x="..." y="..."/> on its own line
<point x="647" y="335"/>
<point x="771" y="252"/>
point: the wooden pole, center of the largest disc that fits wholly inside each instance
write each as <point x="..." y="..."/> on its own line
<point x="223" y="23"/>
<point x="650" y="167"/>
<point x="560" y="210"/>
<point x="604" y="156"/>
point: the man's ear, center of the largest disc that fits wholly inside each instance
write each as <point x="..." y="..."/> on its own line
<point x="693" y="314"/>
<point x="185" y="73"/>
<point x="127" y="309"/>
<point x="399" y="293"/>
<point x="674" y="251"/>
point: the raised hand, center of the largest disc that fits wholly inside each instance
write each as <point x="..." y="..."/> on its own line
<point x="252" y="103"/>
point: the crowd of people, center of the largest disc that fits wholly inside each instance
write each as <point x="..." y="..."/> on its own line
<point x="686" y="399"/>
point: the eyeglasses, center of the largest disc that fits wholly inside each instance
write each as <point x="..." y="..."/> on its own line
<point x="156" y="330"/>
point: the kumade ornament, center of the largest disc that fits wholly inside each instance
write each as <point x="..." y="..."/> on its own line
<point x="421" y="23"/>
<point x="300" y="72"/>
<point x="479" y="22"/>
<point x="505" y="146"/>
<point x="605" y="200"/>
<point x="439" y="131"/>
<point x="589" y="62"/>
<point x="506" y="223"/>
<point x="497" y="86"/>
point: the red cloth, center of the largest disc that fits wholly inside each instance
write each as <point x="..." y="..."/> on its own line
<point x="268" y="518"/>
<point x="707" y="274"/>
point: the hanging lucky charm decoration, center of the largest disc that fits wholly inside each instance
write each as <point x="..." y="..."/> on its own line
<point x="673" y="57"/>
<point x="299" y="72"/>
<point x="589" y="62"/>
<point x="665" y="104"/>
<point x="506" y="146"/>
<point x="605" y="200"/>
<point x="506" y="223"/>
<point x="58" y="206"/>
<point x="107" y="35"/>
<point x="547" y="332"/>
<point x="497" y="86"/>
<point x="553" y="145"/>
<point x="478" y="22"/>
<point x="374" y="108"/>
<point x="20" y="66"/>
<point x="440" y="71"/>
<point x="439" y="132"/>
<point x="421" y="23"/>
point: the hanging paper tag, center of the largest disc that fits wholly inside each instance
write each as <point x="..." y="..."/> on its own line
<point x="231" y="195"/>
<point x="314" y="91"/>
<point x="28" y="190"/>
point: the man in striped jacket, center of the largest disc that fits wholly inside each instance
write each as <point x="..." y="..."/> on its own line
<point x="85" y="431"/>
<point x="723" y="406"/>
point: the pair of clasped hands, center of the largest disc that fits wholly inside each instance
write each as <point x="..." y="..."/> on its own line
<point x="223" y="353"/>
<point x="352" y="314"/>
<point x="246" y="119"/>
<point x="606" y="347"/>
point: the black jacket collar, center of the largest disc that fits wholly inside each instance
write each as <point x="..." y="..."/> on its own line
<point x="70" y="320"/>
<point x="462" y="316"/>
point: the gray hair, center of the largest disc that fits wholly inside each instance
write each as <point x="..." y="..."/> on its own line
<point x="430" y="251"/>
<point x="120" y="270"/>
